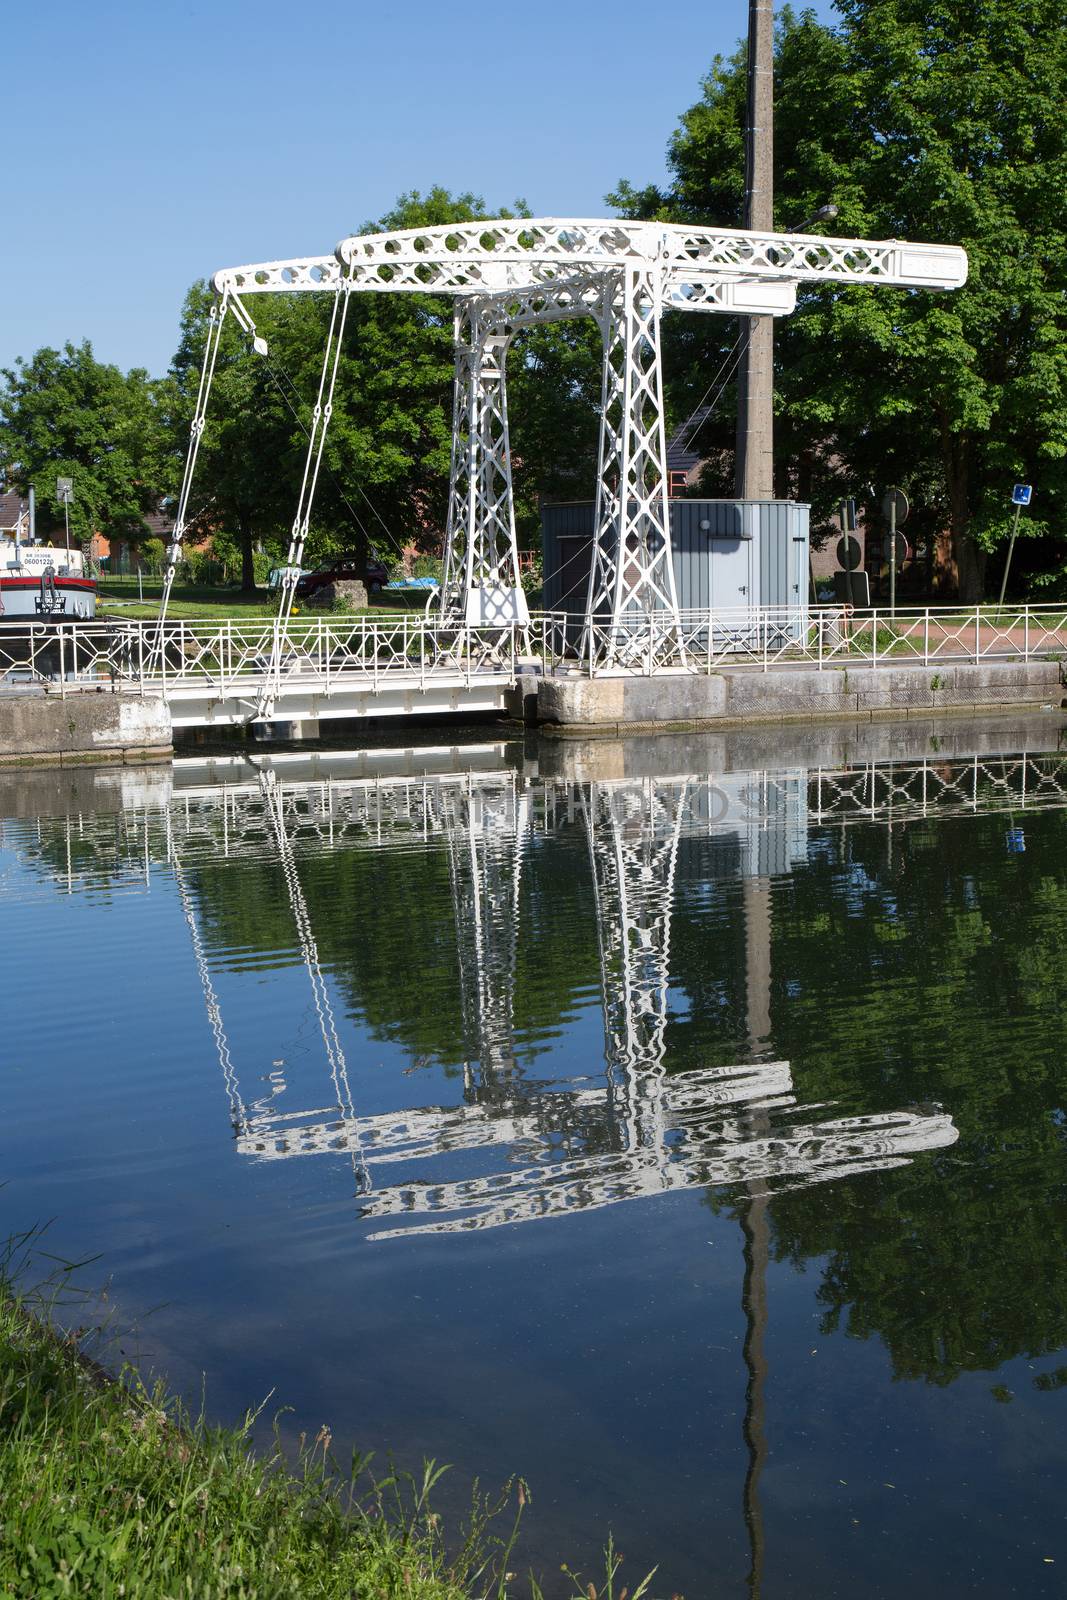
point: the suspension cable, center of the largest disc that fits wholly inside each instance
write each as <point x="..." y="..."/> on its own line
<point x="216" y="319"/>
<point x="730" y="361"/>
<point x="320" y="421"/>
<point x="238" y="1115"/>
<point x="278" y="375"/>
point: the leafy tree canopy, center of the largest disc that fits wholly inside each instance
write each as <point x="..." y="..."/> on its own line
<point x="65" y="414"/>
<point x="927" y="120"/>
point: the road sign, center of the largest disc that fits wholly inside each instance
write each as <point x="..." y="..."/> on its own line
<point x="895" y="500"/>
<point x="1020" y="495"/>
<point x="848" y="554"/>
<point x="65" y="491"/>
<point x="902" y="549"/>
<point x="853" y="588"/>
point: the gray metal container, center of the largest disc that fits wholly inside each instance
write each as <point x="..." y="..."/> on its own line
<point x="727" y="554"/>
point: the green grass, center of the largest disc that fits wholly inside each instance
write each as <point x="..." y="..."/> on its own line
<point x="187" y="600"/>
<point x="117" y="597"/>
<point x="110" y="1488"/>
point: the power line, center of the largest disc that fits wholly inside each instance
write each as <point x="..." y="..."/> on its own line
<point x="730" y="361"/>
<point x="277" y="376"/>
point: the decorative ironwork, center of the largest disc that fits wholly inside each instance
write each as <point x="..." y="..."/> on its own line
<point x="519" y="272"/>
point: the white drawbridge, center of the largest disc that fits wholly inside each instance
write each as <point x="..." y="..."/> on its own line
<point x="506" y="275"/>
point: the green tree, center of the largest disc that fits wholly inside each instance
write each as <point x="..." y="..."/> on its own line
<point x="385" y="480"/>
<point x="248" y="455"/>
<point x="553" y="399"/>
<point x="385" y="477"/>
<point x="927" y="120"/>
<point x="63" y="413"/>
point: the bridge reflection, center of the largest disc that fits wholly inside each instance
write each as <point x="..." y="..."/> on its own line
<point x="517" y="1146"/>
<point x="633" y="1130"/>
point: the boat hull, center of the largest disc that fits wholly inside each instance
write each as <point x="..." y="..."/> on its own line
<point x="59" y="598"/>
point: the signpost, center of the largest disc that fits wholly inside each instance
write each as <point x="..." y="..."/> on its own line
<point x="1020" y="496"/>
<point x="65" y="496"/>
<point x="848" y="551"/>
<point x="896" y="543"/>
<point x="895" y="509"/>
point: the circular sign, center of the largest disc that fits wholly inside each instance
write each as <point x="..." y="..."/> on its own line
<point x="848" y="557"/>
<point x="898" y="499"/>
<point x="902" y="549"/>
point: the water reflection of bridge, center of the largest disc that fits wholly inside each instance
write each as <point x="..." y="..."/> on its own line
<point x="763" y="816"/>
<point x="522" y="1146"/>
<point x="544" y="1148"/>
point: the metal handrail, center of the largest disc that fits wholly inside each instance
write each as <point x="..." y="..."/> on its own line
<point x="334" y="653"/>
<point x="225" y="655"/>
<point x="825" y="637"/>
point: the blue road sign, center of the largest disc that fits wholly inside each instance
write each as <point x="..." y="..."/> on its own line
<point x="1020" y="495"/>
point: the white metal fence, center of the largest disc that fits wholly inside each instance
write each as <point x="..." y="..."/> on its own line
<point x="823" y="637"/>
<point x="233" y="656"/>
<point x="240" y="656"/>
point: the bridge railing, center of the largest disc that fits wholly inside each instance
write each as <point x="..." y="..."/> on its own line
<point x="237" y="655"/>
<point x="822" y="637"/>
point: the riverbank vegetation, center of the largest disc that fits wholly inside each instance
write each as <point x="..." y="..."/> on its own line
<point x="111" y="1488"/>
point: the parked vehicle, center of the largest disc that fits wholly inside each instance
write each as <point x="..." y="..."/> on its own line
<point x="341" y="569"/>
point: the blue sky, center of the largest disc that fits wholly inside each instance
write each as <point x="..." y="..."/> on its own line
<point x="146" y="145"/>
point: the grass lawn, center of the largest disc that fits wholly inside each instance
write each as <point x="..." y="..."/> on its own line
<point x="119" y="598"/>
<point x="110" y="1489"/>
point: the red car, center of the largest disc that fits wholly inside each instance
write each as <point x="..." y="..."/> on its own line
<point x="344" y="568"/>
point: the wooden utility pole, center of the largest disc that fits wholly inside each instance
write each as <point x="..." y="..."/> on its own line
<point x="754" y="473"/>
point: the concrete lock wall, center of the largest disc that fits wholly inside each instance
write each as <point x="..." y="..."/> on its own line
<point x="793" y="695"/>
<point x="727" y="553"/>
<point x="82" y="725"/>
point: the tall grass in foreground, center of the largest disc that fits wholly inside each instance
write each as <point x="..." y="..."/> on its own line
<point x="110" y="1488"/>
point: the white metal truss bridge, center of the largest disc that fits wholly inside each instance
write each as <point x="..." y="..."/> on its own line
<point x="505" y="275"/>
<point x="234" y="673"/>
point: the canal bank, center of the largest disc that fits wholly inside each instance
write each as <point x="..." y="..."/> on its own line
<point x="571" y="703"/>
<point x="75" y="725"/>
<point x="111" y="1487"/>
<point x="41" y="724"/>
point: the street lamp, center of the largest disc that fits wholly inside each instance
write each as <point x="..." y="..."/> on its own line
<point x="824" y="214"/>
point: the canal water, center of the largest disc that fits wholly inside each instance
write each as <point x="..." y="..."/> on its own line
<point x="677" y="1123"/>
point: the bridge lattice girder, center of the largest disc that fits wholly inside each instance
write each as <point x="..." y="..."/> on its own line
<point x="508" y="274"/>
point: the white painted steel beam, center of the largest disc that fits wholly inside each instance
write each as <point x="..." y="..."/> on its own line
<point x="205" y="707"/>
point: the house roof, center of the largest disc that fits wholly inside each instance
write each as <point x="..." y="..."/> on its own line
<point x="160" y="524"/>
<point x="12" y="505"/>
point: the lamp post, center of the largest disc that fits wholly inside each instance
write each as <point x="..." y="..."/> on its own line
<point x="824" y="214"/>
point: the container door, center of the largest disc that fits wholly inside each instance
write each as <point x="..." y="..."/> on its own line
<point x="731" y="574"/>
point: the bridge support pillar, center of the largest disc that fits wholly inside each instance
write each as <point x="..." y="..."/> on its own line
<point x="480" y="582"/>
<point x="632" y="617"/>
<point x="50" y="727"/>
